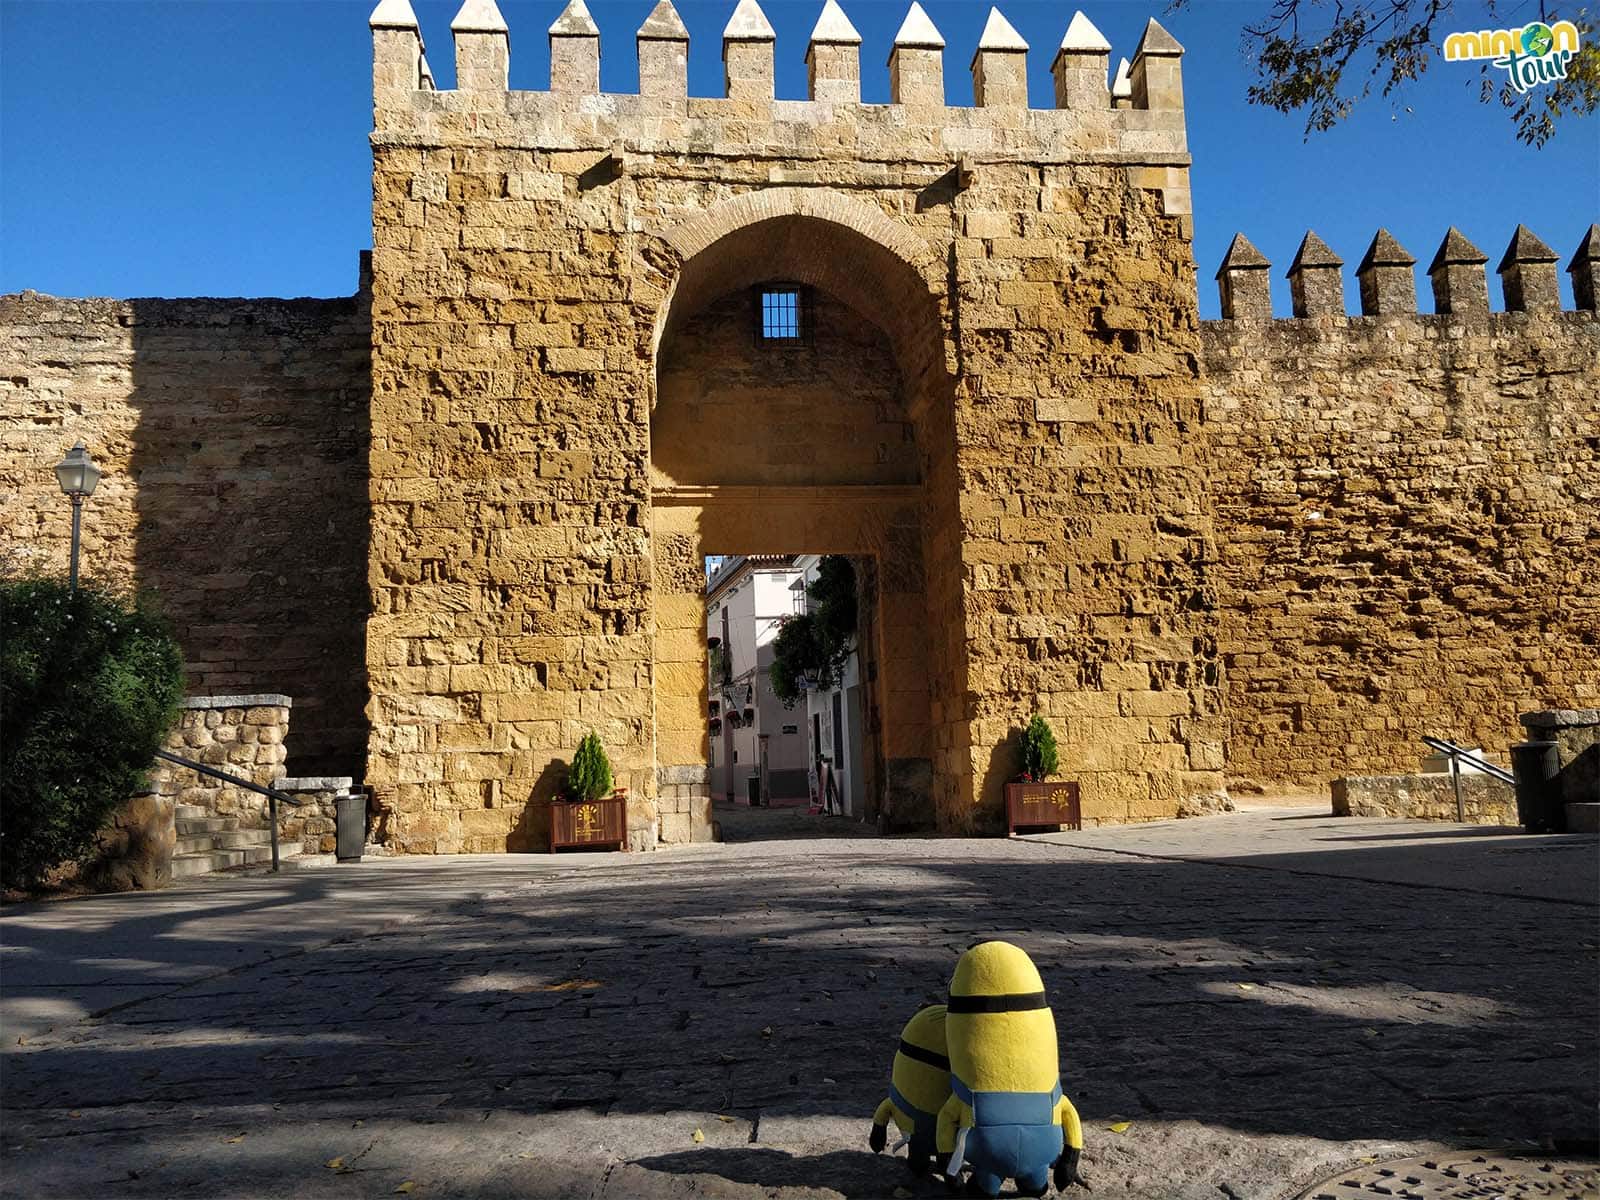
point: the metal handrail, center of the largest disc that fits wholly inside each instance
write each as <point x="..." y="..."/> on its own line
<point x="273" y="796"/>
<point x="1471" y="759"/>
<point x="1458" y="755"/>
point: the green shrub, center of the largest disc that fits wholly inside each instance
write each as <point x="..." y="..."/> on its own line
<point x="1039" y="759"/>
<point x="589" y="777"/>
<point x="89" y="686"/>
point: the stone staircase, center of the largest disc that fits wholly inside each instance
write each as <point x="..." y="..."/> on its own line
<point x="209" y="843"/>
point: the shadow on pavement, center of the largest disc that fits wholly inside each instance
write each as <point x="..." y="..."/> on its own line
<point x="742" y="823"/>
<point x="772" y="981"/>
<point x="850" y="1172"/>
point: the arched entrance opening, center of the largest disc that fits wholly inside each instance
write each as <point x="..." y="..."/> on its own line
<point x="802" y="407"/>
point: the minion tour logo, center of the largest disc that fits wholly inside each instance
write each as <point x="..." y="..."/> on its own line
<point x="1535" y="54"/>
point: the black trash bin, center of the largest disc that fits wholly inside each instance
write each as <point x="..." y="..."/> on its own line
<point x="350" y="820"/>
<point x="1537" y="766"/>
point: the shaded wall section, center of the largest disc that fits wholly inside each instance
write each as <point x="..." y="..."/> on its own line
<point x="1410" y="534"/>
<point x="826" y="412"/>
<point x="233" y="438"/>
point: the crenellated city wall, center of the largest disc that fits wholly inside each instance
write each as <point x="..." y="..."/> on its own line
<point x="1408" y="505"/>
<point x="232" y="436"/>
<point x="539" y="254"/>
<point x="460" y="518"/>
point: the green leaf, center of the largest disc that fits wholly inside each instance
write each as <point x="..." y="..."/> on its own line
<point x="90" y="683"/>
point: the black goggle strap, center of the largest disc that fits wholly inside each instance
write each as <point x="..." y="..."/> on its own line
<point x="922" y="1054"/>
<point x="1008" y="1002"/>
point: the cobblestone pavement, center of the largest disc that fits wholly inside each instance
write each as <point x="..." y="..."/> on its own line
<point x="718" y="1021"/>
<point x="739" y="823"/>
<point x="1465" y="1176"/>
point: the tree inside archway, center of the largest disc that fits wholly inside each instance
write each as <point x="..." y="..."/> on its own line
<point x="811" y="649"/>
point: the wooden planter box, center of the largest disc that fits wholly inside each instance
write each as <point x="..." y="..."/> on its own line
<point x="1034" y="805"/>
<point x="589" y="823"/>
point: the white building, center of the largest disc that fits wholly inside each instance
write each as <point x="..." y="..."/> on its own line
<point x="835" y="716"/>
<point x="758" y="747"/>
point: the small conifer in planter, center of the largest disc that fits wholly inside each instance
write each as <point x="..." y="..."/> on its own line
<point x="592" y="813"/>
<point x="1033" y="802"/>
<point x="1039" y="756"/>
<point x="589" y="777"/>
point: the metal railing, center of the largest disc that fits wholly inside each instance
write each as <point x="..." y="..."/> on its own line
<point x="273" y="797"/>
<point x="1460" y="754"/>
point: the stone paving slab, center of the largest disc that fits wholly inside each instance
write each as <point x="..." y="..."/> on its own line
<point x="1491" y="859"/>
<point x="535" y="1026"/>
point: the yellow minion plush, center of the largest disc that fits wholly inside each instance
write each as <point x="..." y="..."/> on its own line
<point x="918" y="1088"/>
<point x="1006" y="1116"/>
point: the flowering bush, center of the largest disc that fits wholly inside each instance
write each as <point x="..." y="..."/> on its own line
<point x="89" y="686"/>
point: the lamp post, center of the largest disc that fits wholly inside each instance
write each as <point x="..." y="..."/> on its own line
<point x="77" y="475"/>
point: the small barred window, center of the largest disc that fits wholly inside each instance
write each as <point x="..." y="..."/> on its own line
<point x="784" y="318"/>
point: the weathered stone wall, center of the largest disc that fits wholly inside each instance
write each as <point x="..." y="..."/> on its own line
<point x="1030" y="271"/>
<point x="233" y="437"/>
<point x="1407" y="508"/>
<point x="731" y="411"/>
<point x="242" y="735"/>
<point x="314" y="822"/>
<point x="133" y="851"/>
<point x="1087" y="552"/>
<point x="1576" y="733"/>
<point x="1484" y="800"/>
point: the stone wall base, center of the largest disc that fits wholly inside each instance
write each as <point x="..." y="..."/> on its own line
<point x="314" y="824"/>
<point x="683" y="804"/>
<point x="135" y="848"/>
<point x="1487" y="801"/>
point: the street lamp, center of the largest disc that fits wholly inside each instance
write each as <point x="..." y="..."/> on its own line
<point x="77" y="475"/>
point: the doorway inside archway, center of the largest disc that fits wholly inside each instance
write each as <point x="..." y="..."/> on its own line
<point x="794" y="718"/>
<point x="786" y="429"/>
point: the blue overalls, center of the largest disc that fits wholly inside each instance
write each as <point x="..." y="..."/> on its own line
<point x="1014" y="1135"/>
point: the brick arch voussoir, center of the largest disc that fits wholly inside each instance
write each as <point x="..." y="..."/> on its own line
<point x="700" y="233"/>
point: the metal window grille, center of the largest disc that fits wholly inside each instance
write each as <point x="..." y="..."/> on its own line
<point x="784" y="315"/>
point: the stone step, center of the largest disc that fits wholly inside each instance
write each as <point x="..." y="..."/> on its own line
<point x="234" y="839"/>
<point x="205" y="862"/>
<point x="191" y="812"/>
<point x="190" y="826"/>
<point x="237" y="839"/>
<point x="232" y="858"/>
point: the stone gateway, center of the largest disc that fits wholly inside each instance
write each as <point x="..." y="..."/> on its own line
<point x="461" y="519"/>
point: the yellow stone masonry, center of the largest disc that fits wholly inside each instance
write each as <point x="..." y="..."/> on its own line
<point x="561" y="329"/>
<point x="1265" y="551"/>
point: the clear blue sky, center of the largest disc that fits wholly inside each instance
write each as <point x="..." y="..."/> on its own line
<point x="218" y="147"/>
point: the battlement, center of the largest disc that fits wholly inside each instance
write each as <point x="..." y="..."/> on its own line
<point x="1387" y="280"/>
<point x="1136" y="119"/>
